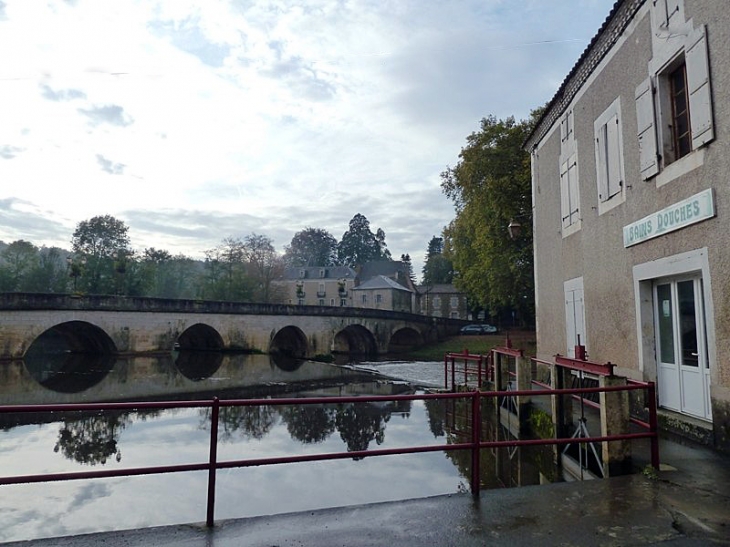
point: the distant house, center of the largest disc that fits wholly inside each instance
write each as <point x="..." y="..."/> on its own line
<point x="381" y="292"/>
<point x="319" y="286"/>
<point x="442" y="300"/>
<point x="395" y="270"/>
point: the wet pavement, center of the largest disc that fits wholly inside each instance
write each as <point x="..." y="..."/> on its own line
<point x="687" y="503"/>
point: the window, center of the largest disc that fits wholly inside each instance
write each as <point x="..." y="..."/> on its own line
<point x="321" y="301"/>
<point x="569" y="196"/>
<point x="679" y="123"/>
<point x="332" y="301"/>
<point x="378" y="298"/>
<point x="674" y="107"/>
<point x="566" y="128"/>
<point x="322" y="273"/>
<point x="454" y="301"/>
<point x="436" y="301"/>
<point x="343" y="302"/>
<point x="609" y="156"/>
<point x="364" y="298"/>
<point x="575" y="323"/>
<point x="300" y="302"/>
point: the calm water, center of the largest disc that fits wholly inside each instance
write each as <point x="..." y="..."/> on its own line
<point x="70" y="442"/>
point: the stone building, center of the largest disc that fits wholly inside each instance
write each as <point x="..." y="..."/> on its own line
<point x="631" y="196"/>
<point x="442" y="300"/>
<point x="318" y="286"/>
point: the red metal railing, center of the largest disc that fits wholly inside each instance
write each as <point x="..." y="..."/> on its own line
<point x="475" y="444"/>
<point x="481" y="370"/>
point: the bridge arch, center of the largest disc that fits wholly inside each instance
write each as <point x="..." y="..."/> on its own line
<point x="355" y="340"/>
<point x="404" y="339"/>
<point x="200" y="337"/>
<point x="72" y="337"/>
<point x="70" y="357"/>
<point x="291" y="342"/>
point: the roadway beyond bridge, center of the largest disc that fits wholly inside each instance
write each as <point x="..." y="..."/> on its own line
<point x="130" y="325"/>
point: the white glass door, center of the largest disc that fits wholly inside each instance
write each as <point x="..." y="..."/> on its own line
<point x="683" y="367"/>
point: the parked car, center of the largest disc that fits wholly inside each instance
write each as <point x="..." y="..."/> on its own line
<point x="489" y="329"/>
<point x="478" y="329"/>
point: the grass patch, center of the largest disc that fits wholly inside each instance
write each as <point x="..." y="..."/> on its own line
<point x="479" y="344"/>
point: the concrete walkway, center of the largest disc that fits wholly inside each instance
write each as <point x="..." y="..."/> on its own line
<point x="686" y="504"/>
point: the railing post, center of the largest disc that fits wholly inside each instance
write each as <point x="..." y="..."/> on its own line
<point x="446" y="371"/>
<point x="453" y="373"/>
<point x="653" y="425"/>
<point x="476" y="439"/>
<point x="212" y="462"/>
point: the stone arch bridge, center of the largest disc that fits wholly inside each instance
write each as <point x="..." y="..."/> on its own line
<point x="130" y="325"/>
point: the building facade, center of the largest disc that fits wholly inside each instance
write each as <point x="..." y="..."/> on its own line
<point x="383" y="293"/>
<point x="631" y="196"/>
<point x="319" y="286"/>
<point x="442" y="300"/>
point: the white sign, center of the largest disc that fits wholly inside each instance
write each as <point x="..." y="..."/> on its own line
<point x="689" y="211"/>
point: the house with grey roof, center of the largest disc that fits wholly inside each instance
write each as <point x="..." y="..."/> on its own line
<point x="318" y="286"/>
<point x="384" y="293"/>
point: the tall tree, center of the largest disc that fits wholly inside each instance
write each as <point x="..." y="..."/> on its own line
<point x="360" y="245"/>
<point x="18" y="260"/>
<point x="264" y="264"/>
<point x="406" y="259"/>
<point x="311" y="247"/>
<point x="225" y="272"/>
<point x="50" y="274"/>
<point x="437" y="269"/>
<point x="490" y="185"/>
<point x="99" y="242"/>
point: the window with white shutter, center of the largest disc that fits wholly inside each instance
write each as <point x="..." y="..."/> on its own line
<point x="609" y="156"/>
<point x="569" y="195"/>
<point x="674" y="106"/>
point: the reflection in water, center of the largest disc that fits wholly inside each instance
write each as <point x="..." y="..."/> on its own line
<point x="197" y="365"/>
<point x="309" y="424"/>
<point x="93" y="439"/>
<point x="67" y="372"/>
<point x="286" y="362"/>
<point x="250" y="422"/>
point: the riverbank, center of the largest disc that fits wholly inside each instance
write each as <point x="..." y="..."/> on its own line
<point x="476" y="344"/>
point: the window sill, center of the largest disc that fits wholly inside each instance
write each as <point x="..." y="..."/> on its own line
<point x="681" y="167"/>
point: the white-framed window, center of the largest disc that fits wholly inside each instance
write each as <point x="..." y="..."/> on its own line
<point x="454" y="301"/>
<point x="575" y="321"/>
<point x="674" y="105"/>
<point x="321" y="302"/>
<point x="567" y="124"/>
<point x="569" y="195"/>
<point x="364" y="298"/>
<point x="609" y="157"/>
<point x="378" y="298"/>
<point x="343" y="302"/>
<point x="332" y="301"/>
<point x="300" y="302"/>
<point x="436" y="301"/>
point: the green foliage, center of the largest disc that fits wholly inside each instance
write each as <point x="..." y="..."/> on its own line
<point x="102" y="246"/>
<point x="360" y="245"/>
<point x="490" y="186"/>
<point x="541" y="424"/>
<point x="311" y="247"/>
<point x="437" y="269"/>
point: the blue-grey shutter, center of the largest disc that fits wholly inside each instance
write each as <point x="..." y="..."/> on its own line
<point x="646" y="129"/>
<point x="698" y="84"/>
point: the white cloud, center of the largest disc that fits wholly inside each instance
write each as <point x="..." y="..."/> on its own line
<point x="262" y="116"/>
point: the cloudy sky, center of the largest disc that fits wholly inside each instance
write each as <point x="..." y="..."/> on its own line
<point x="193" y="121"/>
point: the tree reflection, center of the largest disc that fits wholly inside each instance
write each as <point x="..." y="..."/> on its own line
<point x="93" y="439"/>
<point x="309" y="423"/>
<point x="250" y="422"/>
<point x="436" y="410"/>
<point x="361" y="423"/>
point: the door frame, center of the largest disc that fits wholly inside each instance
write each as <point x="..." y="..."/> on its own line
<point x="677" y="378"/>
<point x="693" y="262"/>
